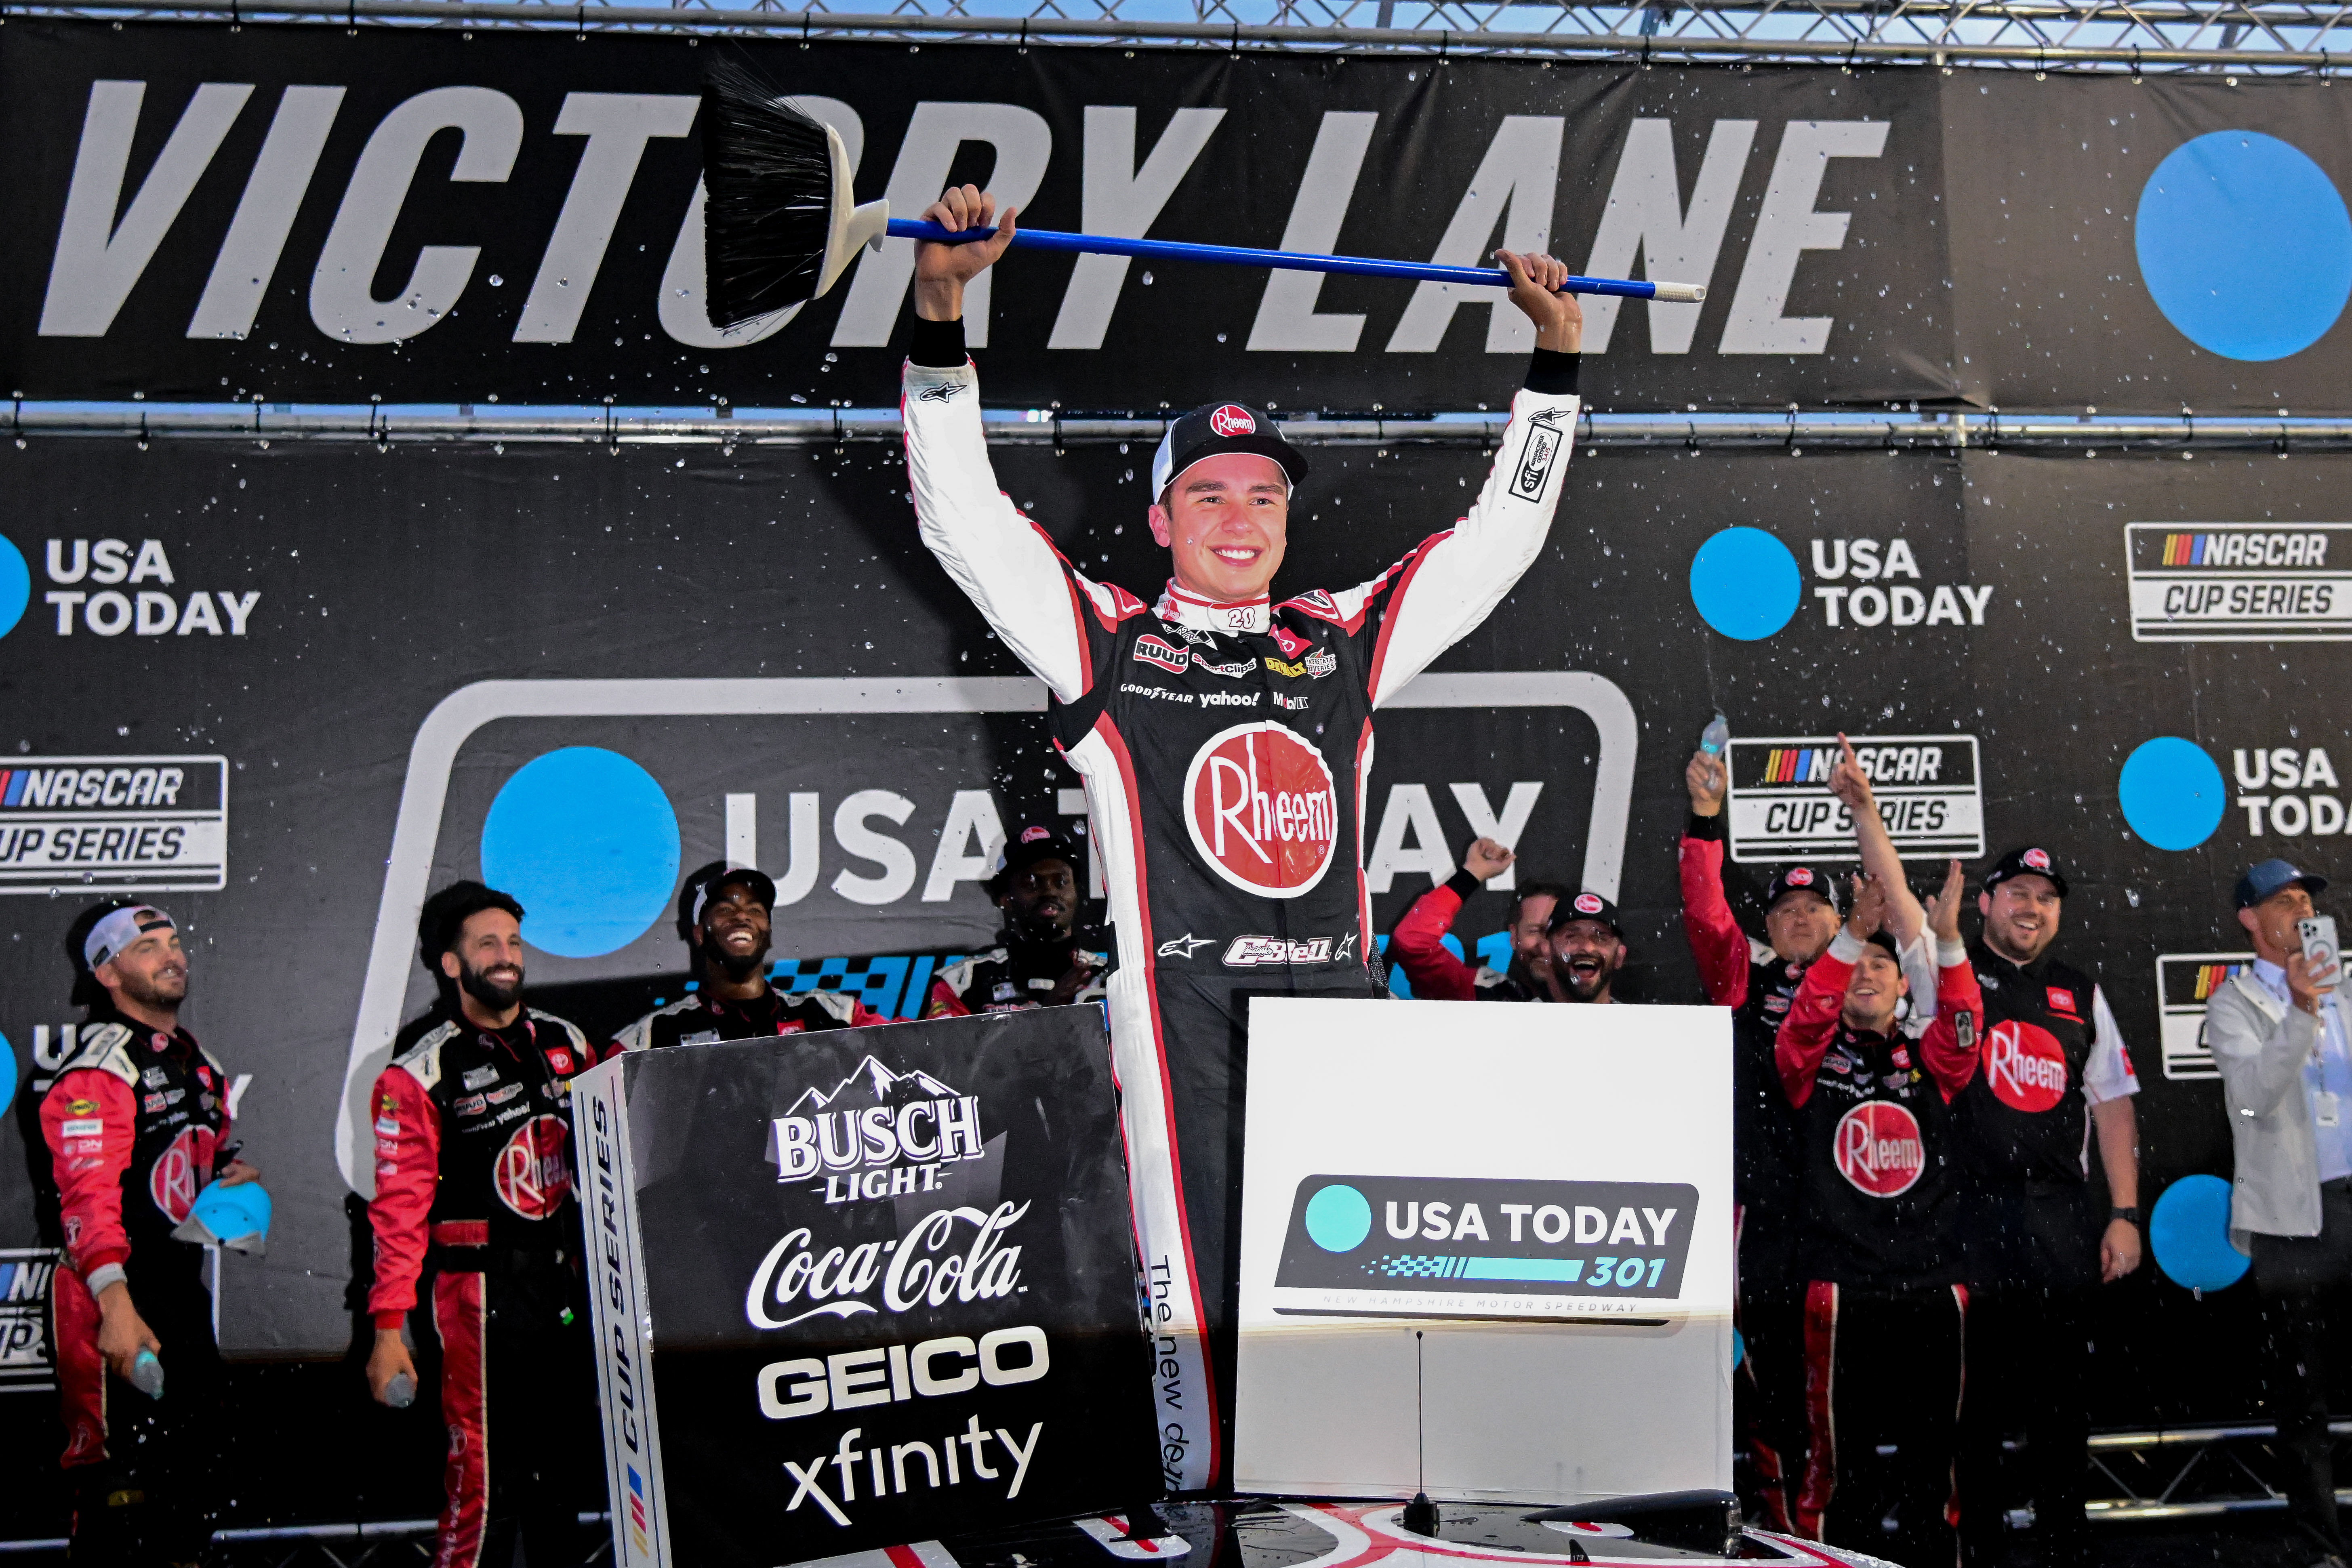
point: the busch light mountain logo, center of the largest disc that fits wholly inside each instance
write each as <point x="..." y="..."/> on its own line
<point x="876" y="1134"/>
<point x="1408" y="1246"/>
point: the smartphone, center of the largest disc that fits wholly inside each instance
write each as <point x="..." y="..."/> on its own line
<point x="2318" y="935"/>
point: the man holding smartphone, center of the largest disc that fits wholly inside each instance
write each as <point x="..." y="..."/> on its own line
<point x="2278" y="1034"/>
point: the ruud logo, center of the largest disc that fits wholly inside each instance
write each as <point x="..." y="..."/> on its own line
<point x="2240" y="582"/>
<point x="1412" y="1245"/>
<point x="1929" y="792"/>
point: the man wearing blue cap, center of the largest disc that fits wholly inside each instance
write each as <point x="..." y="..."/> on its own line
<point x="137" y="1124"/>
<point x="2278" y="1034"/>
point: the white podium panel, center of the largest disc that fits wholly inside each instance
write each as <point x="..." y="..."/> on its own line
<point x="1487" y="1246"/>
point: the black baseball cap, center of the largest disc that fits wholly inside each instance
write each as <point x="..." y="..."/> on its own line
<point x="706" y="881"/>
<point x="2026" y="862"/>
<point x="1791" y="879"/>
<point x="2266" y="877"/>
<point x="1025" y="849"/>
<point x="1218" y="427"/>
<point x="1584" y="906"/>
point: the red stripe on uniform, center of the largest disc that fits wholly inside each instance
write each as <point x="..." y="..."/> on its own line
<point x="458" y="1311"/>
<point x="1819" y="1483"/>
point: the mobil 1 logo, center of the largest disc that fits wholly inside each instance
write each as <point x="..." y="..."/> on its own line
<point x="1929" y="791"/>
<point x="79" y="825"/>
<point x="1373" y="1246"/>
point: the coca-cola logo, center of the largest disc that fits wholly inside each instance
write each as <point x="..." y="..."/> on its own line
<point x="181" y="1171"/>
<point x="2025" y="1065"/>
<point x="530" y="1175"/>
<point x="924" y="1266"/>
<point x="1879" y="1148"/>
<point x="1262" y="810"/>
<point x="1231" y="420"/>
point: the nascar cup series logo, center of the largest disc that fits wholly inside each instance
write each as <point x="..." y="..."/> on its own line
<point x="2025" y="1065"/>
<point x="1262" y="810"/>
<point x="530" y="1174"/>
<point x="1879" y="1149"/>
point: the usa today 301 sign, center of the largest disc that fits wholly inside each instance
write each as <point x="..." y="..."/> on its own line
<point x="1495" y="1239"/>
<point x="858" y="1288"/>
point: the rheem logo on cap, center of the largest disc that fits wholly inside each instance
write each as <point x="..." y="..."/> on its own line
<point x="1879" y="1149"/>
<point x="1232" y="419"/>
<point x="2038" y="858"/>
<point x="1261" y="810"/>
<point x="1588" y="904"/>
<point x="1031" y="835"/>
<point x="1800" y="876"/>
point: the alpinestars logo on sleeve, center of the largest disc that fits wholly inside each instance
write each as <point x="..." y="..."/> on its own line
<point x="944" y="392"/>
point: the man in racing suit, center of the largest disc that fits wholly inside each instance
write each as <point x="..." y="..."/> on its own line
<point x="1757" y="980"/>
<point x="1224" y="741"/>
<point x="1417" y="944"/>
<point x="1039" y="960"/>
<point x="474" y="1170"/>
<point x="722" y="916"/>
<point x="1877" y="1247"/>
<point x="136" y="1122"/>
<point x="2055" y="1070"/>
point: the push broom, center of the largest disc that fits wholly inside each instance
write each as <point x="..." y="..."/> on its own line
<point x="781" y="223"/>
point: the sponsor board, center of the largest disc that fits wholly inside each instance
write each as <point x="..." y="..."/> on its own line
<point x="2240" y="582"/>
<point x="1929" y="791"/>
<point x="85" y="825"/>
<point x="2185" y="982"/>
<point x="881" y="1293"/>
<point x="27" y="1361"/>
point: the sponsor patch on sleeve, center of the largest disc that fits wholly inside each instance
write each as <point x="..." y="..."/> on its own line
<point x="1535" y="456"/>
<point x="83" y="1129"/>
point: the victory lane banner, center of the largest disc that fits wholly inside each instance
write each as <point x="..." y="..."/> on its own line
<point x="858" y="1288"/>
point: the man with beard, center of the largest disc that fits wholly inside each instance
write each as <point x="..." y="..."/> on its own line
<point x="2055" y="1070"/>
<point x="1588" y="949"/>
<point x="1417" y="945"/>
<point x="474" y="1170"/>
<point x="136" y="1124"/>
<point x="1757" y="980"/>
<point x="723" y="915"/>
<point x="1884" y="1306"/>
<point x="1038" y="961"/>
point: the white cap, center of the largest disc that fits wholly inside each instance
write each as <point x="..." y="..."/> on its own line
<point x="120" y="928"/>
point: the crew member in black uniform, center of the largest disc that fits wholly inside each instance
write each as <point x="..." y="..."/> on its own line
<point x="2054" y="1070"/>
<point x="1588" y="950"/>
<point x="1757" y="980"/>
<point x="474" y="1170"/>
<point x="723" y="915"/>
<point x="1885" y="1307"/>
<point x="1041" y="959"/>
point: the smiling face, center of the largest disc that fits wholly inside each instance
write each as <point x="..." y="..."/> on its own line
<point x="1585" y="957"/>
<point x="1800" y="926"/>
<point x="151" y="972"/>
<point x="2021" y="917"/>
<point x="1877" y="983"/>
<point x="1528" y="928"/>
<point x="735" y="930"/>
<point x="486" y="959"/>
<point x="1225" y="520"/>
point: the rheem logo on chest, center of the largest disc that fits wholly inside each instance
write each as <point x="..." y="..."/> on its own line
<point x="1262" y="810"/>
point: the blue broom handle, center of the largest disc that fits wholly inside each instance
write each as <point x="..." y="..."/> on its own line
<point x="1241" y="255"/>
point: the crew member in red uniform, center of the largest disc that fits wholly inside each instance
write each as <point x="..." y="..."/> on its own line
<point x="2055" y="1070"/>
<point x="136" y="1124"/>
<point x="1417" y="945"/>
<point x="1040" y="959"/>
<point x="474" y="1170"/>
<point x="723" y="915"/>
<point x="1226" y="741"/>
<point x="1885" y="1307"/>
<point x="1758" y="980"/>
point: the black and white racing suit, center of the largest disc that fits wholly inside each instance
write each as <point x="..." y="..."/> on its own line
<point x="1226" y="749"/>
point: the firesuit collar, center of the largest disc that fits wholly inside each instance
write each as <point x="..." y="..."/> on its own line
<point x="120" y="929"/>
<point x="1184" y="608"/>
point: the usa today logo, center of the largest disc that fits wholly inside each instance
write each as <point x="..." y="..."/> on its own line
<point x="1497" y="1239"/>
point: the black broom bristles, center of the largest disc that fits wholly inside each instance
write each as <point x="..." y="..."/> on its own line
<point x="767" y="173"/>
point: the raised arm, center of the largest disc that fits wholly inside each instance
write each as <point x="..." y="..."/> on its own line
<point x="1417" y="942"/>
<point x="1904" y="918"/>
<point x="1003" y="562"/>
<point x="1455" y="580"/>
<point x="1715" y="938"/>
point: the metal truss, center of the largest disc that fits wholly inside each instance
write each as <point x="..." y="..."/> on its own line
<point x="2190" y="1472"/>
<point x="1794" y="432"/>
<point x="2306" y="37"/>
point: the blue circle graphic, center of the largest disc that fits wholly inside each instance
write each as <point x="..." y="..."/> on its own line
<point x="1745" y="583"/>
<point x="15" y="592"/>
<point x="8" y="1072"/>
<point x="588" y="841"/>
<point x="2189" y="1231"/>
<point x="1339" y="1219"/>
<point x="2171" y="792"/>
<point x="2245" y="245"/>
